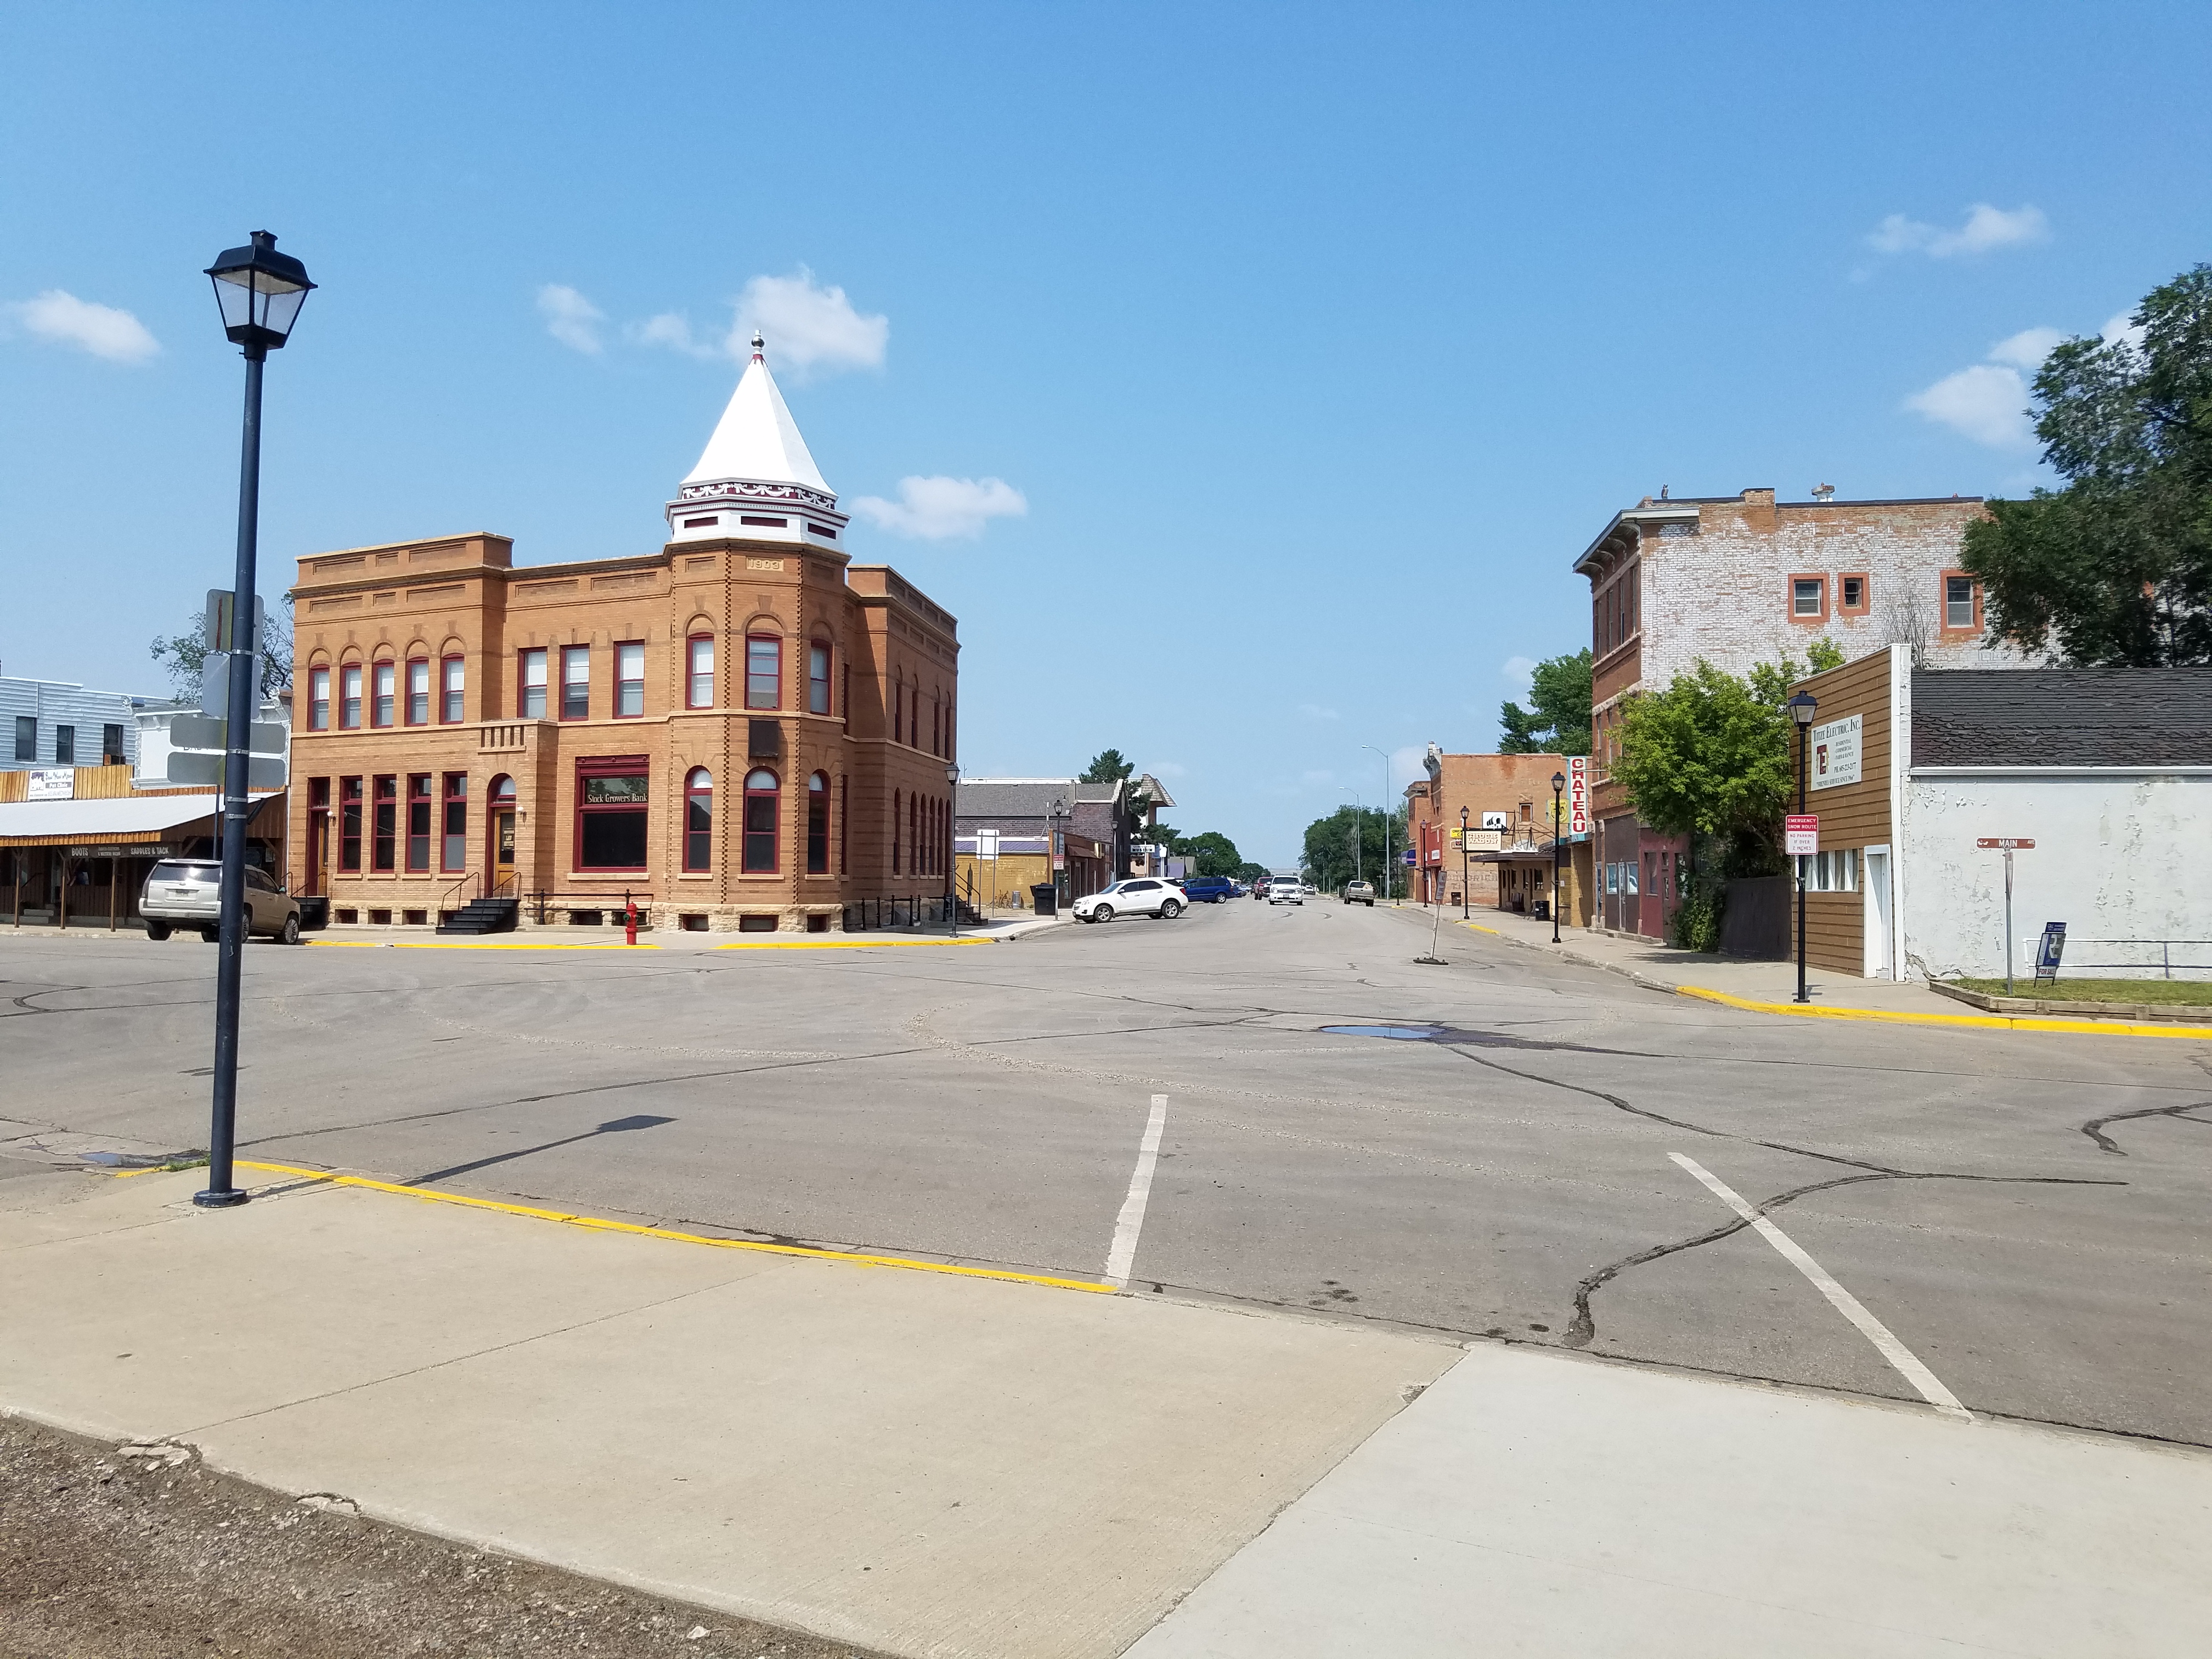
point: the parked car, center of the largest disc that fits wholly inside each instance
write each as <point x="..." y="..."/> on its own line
<point x="1287" y="890"/>
<point x="1260" y="888"/>
<point x="1209" y="889"/>
<point x="1359" y="892"/>
<point x="188" y="893"/>
<point x="1140" y="895"/>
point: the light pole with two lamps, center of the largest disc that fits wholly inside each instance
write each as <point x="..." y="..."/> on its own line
<point x="1559" y="784"/>
<point x="260" y="292"/>
<point x="1802" y="707"/>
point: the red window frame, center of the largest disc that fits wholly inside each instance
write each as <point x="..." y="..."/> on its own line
<point x="818" y="824"/>
<point x="349" y="806"/>
<point x="418" y="822"/>
<point x="1943" y="604"/>
<point x="570" y="654"/>
<point x="452" y="690"/>
<point x="769" y="649"/>
<point x="613" y="766"/>
<point x="384" y="823"/>
<point x="407" y="714"/>
<point x="698" y="820"/>
<point x="383" y="703"/>
<point x="1865" y="580"/>
<point x="818" y="678"/>
<point x="629" y="654"/>
<point x="454" y="828"/>
<point x="761" y="851"/>
<point x="318" y="700"/>
<point x="541" y="659"/>
<point x="695" y="647"/>
<point x="1806" y="619"/>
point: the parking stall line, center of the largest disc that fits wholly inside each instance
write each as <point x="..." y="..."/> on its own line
<point x="1905" y="1362"/>
<point x="1130" y="1222"/>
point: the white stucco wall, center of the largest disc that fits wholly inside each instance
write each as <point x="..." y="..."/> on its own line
<point x="2119" y="854"/>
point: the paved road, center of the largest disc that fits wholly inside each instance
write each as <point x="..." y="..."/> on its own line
<point x="2023" y="1218"/>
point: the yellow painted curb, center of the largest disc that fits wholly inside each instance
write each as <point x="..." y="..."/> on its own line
<point x="844" y="943"/>
<point x="464" y="945"/>
<point x="1989" y="1022"/>
<point x="1479" y="928"/>
<point x="856" y="1258"/>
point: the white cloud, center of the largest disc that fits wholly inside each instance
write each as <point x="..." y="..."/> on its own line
<point x="1988" y="403"/>
<point x="2122" y="327"/>
<point x="807" y="327"/>
<point x="672" y="329"/>
<point x="61" y="319"/>
<point x="2027" y="349"/>
<point x="937" y="509"/>
<point x="1314" y="711"/>
<point x="1520" y="671"/>
<point x="1984" y="229"/>
<point x="571" y="319"/>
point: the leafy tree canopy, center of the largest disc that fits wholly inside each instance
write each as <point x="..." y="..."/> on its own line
<point x="183" y="655"/>
<point x="1350" y="841"/>
<point x="1557" y="720"/>
<point x="1107" y="766"/>
<point x="2115" y="569"/>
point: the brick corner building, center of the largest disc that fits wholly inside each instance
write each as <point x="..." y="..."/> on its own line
<point x="744" y="730"/>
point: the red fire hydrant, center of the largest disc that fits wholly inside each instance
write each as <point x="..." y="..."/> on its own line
<point x="629" y="919"/>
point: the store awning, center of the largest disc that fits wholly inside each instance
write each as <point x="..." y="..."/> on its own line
<point x="132" y="820"/>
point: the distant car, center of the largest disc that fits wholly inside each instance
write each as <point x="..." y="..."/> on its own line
<point x="1260" y="888"/>
<point x="188" y="893"/>
<point x="1359" y="892"/>
<point x="1140" y="895"/>
<point x="1209" y="889"/>
<point x="1285" y="890"/>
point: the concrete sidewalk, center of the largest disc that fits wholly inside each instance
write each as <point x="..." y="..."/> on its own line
<point x="933" y="1464"/>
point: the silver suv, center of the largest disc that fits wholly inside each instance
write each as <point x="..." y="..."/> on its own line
<point x="188" y="893"/>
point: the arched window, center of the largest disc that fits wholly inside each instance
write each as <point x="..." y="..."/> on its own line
<point x="760" y="841"/>
<point x="699" y="820"/>
<point x="818" y="826"/>
<point x="817" y="678"/>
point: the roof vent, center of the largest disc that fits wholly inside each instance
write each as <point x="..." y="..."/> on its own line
<point x="1824" y="492"/>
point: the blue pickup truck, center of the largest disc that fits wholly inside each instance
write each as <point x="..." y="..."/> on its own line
<point x="1209" y="889"/>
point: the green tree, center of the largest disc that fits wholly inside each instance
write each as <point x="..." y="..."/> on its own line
<point x="1107" y="766"/>
<point x="1557" y="720"/>
<point x="2115" y="569"/>
<point x="1351" y="840"/>
<point x="183" y="655"/>
<point x="1214" y="853"/>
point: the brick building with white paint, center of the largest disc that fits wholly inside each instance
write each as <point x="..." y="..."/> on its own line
<point x="1742" y="580"/>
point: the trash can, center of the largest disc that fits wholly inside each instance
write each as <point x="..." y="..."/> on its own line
<point x="314" y="911"/>
<point x="1044" y="898"/>
<point x="1542" y="909"/>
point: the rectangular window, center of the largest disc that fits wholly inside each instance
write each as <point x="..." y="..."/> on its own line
<point x="575" y="682"/>
<point x="817" y="679"/>
<point x="818" y="826"/>
<point x="453" y="854"/>
<point x="386" y="694"/>
<point x="27" y="736"/>
<point x="418" y="820"/>
<point x="110" y="743"/>
<point x="1854" y="594"/>
<point x="318" y="700"/>
<point x="699" y="673"/>
<point x="418" y="692"/>
<point x="763" y="672"/>
<point x="533" y="704"/>
<point x="1962" y="604"/>
<point x="936" y="727"/>
<point x="348" y="823"/>
<point x="65" y="746"/>
<point x="629" y="681"/>
<point x="844" y="812"/>
<point x="610" y="813"/>
<point x="385" y="842"/>
<point x="453" y="680"/>
<point x="699" y="821"/>
<point x="758" y="846"/>
<point x="350" y="700"/>
<point x="899" y="711"/>
<point x="1809" y="598"/>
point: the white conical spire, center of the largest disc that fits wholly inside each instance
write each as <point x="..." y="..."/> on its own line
<point x="757" y="467"/>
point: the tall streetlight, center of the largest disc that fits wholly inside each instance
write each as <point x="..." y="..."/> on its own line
<point x="953" y="863"/>
<point x="1056" y="852"/>
<point x="1559" y="784"/>
<point x="1802" y="709"/>
<point x="1389" y="868"/>
<point x="1465" y="896"/>
<point x="260" y="292"/>
<point x="1358" y="832"/>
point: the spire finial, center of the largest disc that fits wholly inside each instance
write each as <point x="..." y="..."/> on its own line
<point x="758" y="344"/>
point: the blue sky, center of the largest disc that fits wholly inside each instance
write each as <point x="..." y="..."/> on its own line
<point x="1313" y="343"/>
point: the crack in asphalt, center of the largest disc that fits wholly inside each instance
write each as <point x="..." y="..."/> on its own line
<point x="2094" y="1127"/>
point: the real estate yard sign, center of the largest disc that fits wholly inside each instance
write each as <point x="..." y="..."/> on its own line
<point x="1835" y="759"/>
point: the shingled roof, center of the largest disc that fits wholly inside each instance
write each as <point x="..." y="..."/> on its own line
<point x="2062" y="717"/>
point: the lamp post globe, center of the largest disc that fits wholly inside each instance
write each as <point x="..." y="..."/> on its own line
<point x="1559" y="787"/>
<point x="1803" y="707"/>
<point x="258" y="292"/>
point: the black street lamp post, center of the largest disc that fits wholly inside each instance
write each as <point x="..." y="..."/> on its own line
<point x="1801" y="709"/>
<point x="1559" y="784"/>
<point x="952" y="852"/>
<point x="260" y="292"/>
<point x="1465" y="899"/>
<point x="1055" y="852"/>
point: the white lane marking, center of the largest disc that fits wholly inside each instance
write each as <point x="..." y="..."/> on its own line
<point x="1123" y="1256"/>
<point x="1906" y="1363"/>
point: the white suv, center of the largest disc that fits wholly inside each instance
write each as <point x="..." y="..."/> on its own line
<point x="1140" y="895"/>
<point x="1287" y="890"/>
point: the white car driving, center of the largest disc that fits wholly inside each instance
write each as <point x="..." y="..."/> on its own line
<point x="1285" y="890"/>
<point x="1140" y="895"/>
